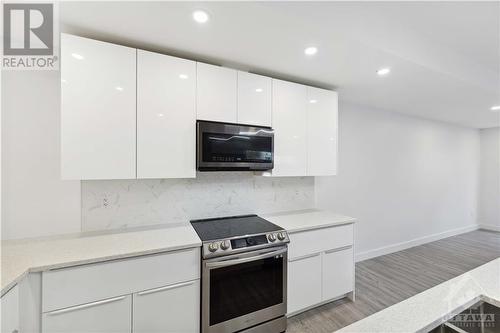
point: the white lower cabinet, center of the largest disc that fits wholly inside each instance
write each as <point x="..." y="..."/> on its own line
<point x="338" y="273"/>
<point x="169" y="309"/>
<point x="304" y="282"/>
<point x="148" y="294"/>
<point x="9" y="304"/>
<point x="106" y="316"/>
<point x="320" y="267"/>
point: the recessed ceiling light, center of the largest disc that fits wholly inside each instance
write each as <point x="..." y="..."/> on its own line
<point x="77" y="56"/>
<point x="383" y="71"/>
<point x="311" y="50"/>
<point x="495" y="108"/>
<point x="259" y="90"/>
<point x="313" y="101"/>
<point x="200" y="16"/>
<point x="63" y="80"/>
<point x="183" y="76"/>
<point x="119" y="88"/>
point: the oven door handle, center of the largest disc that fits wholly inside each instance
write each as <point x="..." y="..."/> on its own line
<point x="231" y="262"/>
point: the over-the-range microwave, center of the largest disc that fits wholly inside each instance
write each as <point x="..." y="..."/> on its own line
<point x="233" y="147"/>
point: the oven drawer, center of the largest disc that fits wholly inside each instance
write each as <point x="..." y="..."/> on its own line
<point x="319" y="240"/>
<point x="87" y="283"/>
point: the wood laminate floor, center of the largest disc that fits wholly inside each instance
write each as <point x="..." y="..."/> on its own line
<point x="389" y="279"/>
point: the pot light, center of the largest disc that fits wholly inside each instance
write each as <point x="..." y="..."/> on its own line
<point x="495" y="108"/>
<point x="200" y="16"/>
<point x="311" y="50"/>
<point x="313" y="101"/>
<point x="259" y="90"/>
<point x="119" y="88"/>
<point x="383" y="71"/>
<point x="183" y="76"/>
<point x="77" y="56"/>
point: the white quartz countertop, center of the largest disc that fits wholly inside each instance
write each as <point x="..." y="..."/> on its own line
<point x="432" y="307"/>
<point x="20" y="257"/>
<point x="309" y="219"/>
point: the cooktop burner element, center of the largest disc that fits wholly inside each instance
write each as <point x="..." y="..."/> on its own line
<point x="235" y="234"/>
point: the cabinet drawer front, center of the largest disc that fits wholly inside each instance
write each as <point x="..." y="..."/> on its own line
<point x="338" y="273"/>
<point x="111" y="315"/>
<point x="172" y="309"/>
<point x="83" y="284"/>
<point x="319" y="240"/>
<point x="304" y="283"/>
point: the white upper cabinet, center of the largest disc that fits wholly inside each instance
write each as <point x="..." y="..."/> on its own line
<point x="98" y="109"/>
<point x="254" y="99"/>
<point x="322" y="132"/>
<point x="166" y="116"/>
<point x="289" y="123"/>
<point x="216" y="93"/>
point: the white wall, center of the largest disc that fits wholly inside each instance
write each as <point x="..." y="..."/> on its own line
<point x="35" y="202"/>
<point x="407" y="180"/>
<point x="489" y="198"/>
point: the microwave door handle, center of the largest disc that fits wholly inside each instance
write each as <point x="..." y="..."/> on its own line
<point x="231" y="262"/>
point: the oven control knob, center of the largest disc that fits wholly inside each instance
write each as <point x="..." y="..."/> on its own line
<point x="281" y="236"/>
<point x="225" y="245"/>
<point x="271" y="237"/>
<point x="212" y="247"/>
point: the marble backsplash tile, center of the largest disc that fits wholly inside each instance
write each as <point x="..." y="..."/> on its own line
<point x="114" y="204"/>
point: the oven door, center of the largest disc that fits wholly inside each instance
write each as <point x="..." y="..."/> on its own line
<point x="243" y="290"/>
<point x="222" y="146"/>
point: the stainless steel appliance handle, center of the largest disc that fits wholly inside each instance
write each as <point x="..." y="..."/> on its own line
<point x="231" y="262"/>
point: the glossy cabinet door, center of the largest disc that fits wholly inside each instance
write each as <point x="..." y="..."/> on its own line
<point x="216" y="93"/>
<point x="170" y="309"/>
<point x="289" y="123"/>
<point x="98" y="109"/>
<point x="166" y="116"/>
<point x="338" y="273"/>
<point x="254" y="99"/>
<point x="322" y="132"/>
<point x="304" y="282"/>
<point x="106" y="316"/>
<point x="9" y="304"/>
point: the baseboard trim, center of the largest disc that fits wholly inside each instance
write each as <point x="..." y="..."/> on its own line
<point x="489" y="227"/>
<point x="414" y="242"/>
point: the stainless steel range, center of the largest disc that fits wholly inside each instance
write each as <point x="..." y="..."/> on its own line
<point x="244" y="275"/>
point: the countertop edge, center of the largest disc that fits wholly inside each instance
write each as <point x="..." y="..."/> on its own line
<point x="322" y="226"/>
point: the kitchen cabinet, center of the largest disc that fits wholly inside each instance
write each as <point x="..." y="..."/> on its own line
<point x="98" y="109"/>
<point x="337" y="281"/>
<point x="170" y="309"/>
<point x="254" y="99"/>
<point x="289" y="123"/>
<point x="216" y="93"/>
<point x="9" y="304"/>
<point x="304" y="282"/>
<point x="322" y="132"/>
<point x="166" y="116"/>
<point x="112" y="315"/>
<point x="320" y="266"/>
<point x="152" y="293"/>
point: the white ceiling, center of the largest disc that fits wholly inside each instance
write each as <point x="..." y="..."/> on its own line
<point x="444" y="56"/>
